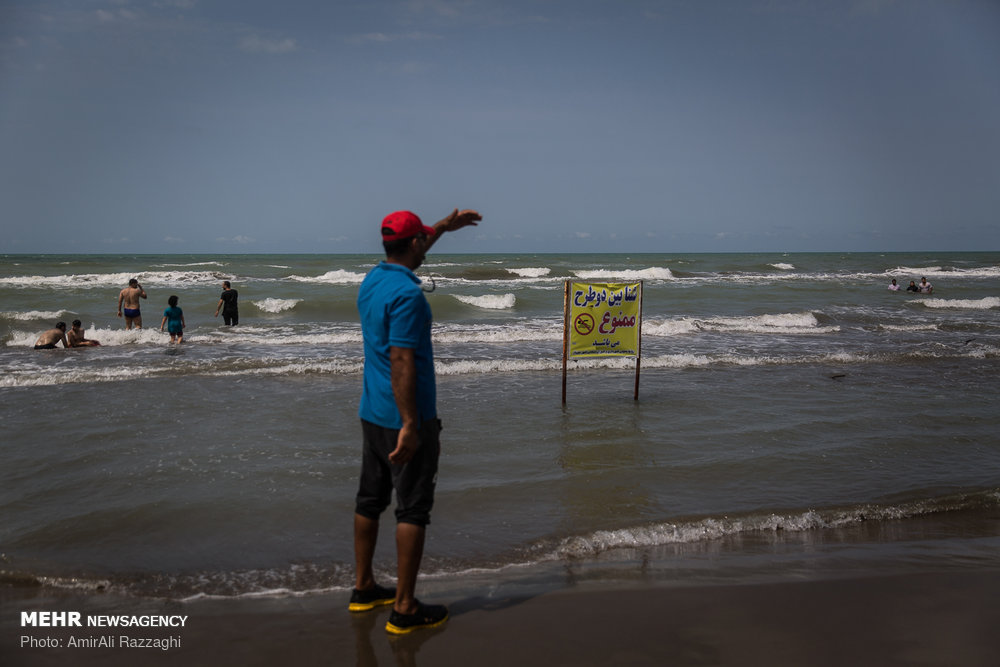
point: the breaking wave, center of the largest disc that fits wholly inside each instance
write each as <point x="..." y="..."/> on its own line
<point x="272" y="305"/>
<point x="489" y="301"/>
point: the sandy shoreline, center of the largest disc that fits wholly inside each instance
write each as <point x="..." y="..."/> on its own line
<point x="948" y="618"/>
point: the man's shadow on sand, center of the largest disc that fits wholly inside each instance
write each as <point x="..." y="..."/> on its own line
<point x="405" y="647"/>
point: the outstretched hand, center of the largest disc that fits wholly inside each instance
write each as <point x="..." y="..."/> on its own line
<point x="457" y="220"/>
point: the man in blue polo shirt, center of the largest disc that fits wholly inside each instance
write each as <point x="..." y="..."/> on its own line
<point x="399" y="417"/>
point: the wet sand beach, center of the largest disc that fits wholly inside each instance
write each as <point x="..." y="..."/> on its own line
<point x="934" y="618"/>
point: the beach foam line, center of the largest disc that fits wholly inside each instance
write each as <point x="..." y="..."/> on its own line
<point x="297" y="580"/>
<point x="909" y="327"/>
<point x="119" y="280"/>
<point x="35" y="376"/>
<point x="782" y="323"/>
<point x="715" y="528"/>
<point x="986" y="303"/>
<point x="309" y="578"/>
<point x="497" y="334"/>
<point x="220" y="264"/>
<point x="29" y="315"/>
<point x="945" y="272"/>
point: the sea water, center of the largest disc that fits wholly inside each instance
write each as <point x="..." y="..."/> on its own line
<point x="791" y="408"/>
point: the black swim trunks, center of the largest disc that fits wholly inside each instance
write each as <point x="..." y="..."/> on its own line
<point x="414" y="482"/>
<point x="50" y="346"/>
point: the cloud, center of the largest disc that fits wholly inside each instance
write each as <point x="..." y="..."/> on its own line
<point x="386" y="38"/>
<point x="258" y="44"/>
<point x="173" y="239"/>
<point x="582" y="235"/>
<point x="123" y="239"/>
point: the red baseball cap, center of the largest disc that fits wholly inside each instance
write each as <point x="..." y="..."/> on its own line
<point x="403" y="225"/>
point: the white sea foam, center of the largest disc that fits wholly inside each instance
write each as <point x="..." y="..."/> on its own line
<point x="495" y="366"/>
<point x="272" y="305"/>
<point x="35" y="315"/>
<point x="112" y="280"/>
<point x="985" y="303"/>
<point x="262" y="337"/>
<point x="531" y="272"/>
<point x="105" y="336"/>
<point x="678" y="327"/>
<point x="334" y="366"/>
<point x="721" y="527"/>
<point x="496" y="334"/>
<point x="930" y="272"/>
<point x="652" y="273"/>
<point x="30" y="373"/>
<point x="908" y="327"/>
<point x="784" y="266"/>
<point x="489" y="301"/>
<point x="44" y="377"/>
<point x="782" y="323"/>
<point x="336" y="277"/>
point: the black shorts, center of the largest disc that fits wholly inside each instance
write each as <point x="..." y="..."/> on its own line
<point x="414" y="482"/>
<point x="232" y="317"/>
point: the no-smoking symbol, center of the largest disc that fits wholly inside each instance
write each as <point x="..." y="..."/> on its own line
<point x="583" y="324"/>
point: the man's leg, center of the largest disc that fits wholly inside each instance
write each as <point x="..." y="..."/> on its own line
<point x="365" y="537"/>
<point x="409" y="551"/>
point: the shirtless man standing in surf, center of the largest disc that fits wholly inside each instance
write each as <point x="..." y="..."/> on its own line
<point x="129" y="298"/>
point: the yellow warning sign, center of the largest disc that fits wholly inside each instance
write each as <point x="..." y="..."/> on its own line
<point x="604" y="319"/>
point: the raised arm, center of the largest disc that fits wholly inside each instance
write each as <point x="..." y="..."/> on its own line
<point x="453" y="222"/>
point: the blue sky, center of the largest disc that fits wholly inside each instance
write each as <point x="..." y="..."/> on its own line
<point x="130" y="126"/>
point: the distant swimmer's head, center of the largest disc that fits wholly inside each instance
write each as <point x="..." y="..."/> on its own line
<point x="133" y="283"/>
<point x="172" y="301"/>
<point x="61" y="326"/>
<point x="225" y="283"/>
<point x="77" y="323"/>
